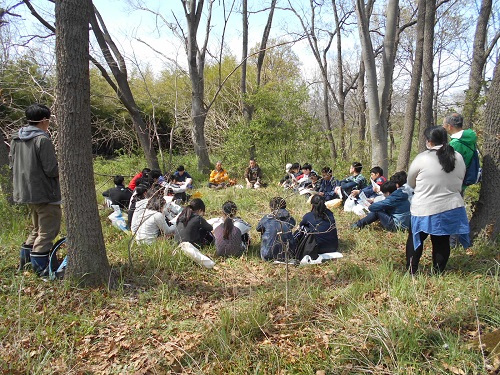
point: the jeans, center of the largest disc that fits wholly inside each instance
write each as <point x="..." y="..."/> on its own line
<point x="386" y="220"/>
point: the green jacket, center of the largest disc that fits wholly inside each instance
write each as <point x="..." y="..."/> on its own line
<point x="465" y="145"/>
<point x="32" y="158"/>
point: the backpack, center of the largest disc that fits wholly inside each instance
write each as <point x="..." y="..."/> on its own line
<point x="474" y="172"/>
<point x="307" y="246"/>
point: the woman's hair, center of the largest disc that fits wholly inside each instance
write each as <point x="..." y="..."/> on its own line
<point x="446" y="154"/>
<point x="156" y="203"/>
<point x="229" y="208"/>
<point x="318" y="207"/>
<point x="276" y="203"/>
<point x="140" y="190"/>
<point x="194" y="205"/>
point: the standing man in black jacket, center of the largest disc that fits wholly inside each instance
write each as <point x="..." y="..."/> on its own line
<point x="36" y="183"/>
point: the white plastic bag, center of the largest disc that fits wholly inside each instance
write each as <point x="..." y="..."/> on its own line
<point x="117" y="218"/>
<point x="191" y="251"/>
<point x="320" y="259"/>
<point x="349" y="204"/>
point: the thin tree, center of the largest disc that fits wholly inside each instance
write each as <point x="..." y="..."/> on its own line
<point x="486" y="214"/>
<point x="87" y="261"/>
<point x="481" y="52"/>
<point x="413" y="93"/>
<point x="426" y="113"/>
<point x="378" y="94"/>
<point x="196" y="55"/>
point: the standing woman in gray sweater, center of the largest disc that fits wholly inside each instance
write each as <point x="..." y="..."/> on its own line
<point x="437" y="208"/>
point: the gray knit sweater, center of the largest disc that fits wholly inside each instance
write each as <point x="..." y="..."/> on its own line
<point x="435" y="190"/>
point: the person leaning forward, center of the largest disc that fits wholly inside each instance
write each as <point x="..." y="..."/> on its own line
<point x="33" y="161"/>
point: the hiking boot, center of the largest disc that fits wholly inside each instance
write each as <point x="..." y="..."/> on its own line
<point x="40" y="263"/>
<point x="24" y="256"/>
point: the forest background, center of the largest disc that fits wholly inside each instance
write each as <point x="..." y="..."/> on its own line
<point x="323" y="82"/>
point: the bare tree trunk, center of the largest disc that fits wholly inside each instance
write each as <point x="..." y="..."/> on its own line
<point x="196" y="63"/>
<point x="246" y="108"/>
<point x="340" y="81"/>
<point x="5" y="173"/>
<point x="378" y="97"/>
<point x="327" y="120"/>
<point x="485" y="215"/>
<point x="87" y="261"/>
<point x="362" y="102"/>
<point x="426" y="117"/>
<point x="263" y="43"/>
<point x="413" y="93"/>
<point x="479" y="57"/>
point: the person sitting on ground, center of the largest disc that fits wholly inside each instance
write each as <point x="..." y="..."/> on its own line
<point x="288" y="166"/>
<point x="135" y="180"/>
<point x="290" y="180"/>
<point x="230" y="209"/>
<point x="373" y="190"/>
<point x="320" y="222"/>
<point x="356" y="181"/>
<point x="400" y="178"/>
<point x="138" y="195"/>
<point x="253" y="175"/>
<point x="153" y="179"/>
<point x="119" y="195"/>
<point x="192" y="227"/>
<point x="183" y="177"/>
<point x="327" y="184"/>
<point x="304" y="179"/>
<point x="218" y="177"/>
<point x="151" y="222"/>
<point x="393" y="212"/>
<point x="276" y="231"/>
<point x="228" y="237"/>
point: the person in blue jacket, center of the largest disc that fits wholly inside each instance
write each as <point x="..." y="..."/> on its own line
<point x="393" y="212"/>
<point x="276" y="231"/>
<point x="320" y="222"/>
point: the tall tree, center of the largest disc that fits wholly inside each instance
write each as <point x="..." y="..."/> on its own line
<point x="196" y="55"/>
<point x="480" y="54"/>
<point x="413" y="93"/>
<point x="378" y="94"/>
<point x="87" y="260"/>
<point x="426" y="113"/>
<point x="485" y="215"/>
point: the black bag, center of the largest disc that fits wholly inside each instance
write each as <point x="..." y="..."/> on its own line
<point x="307" y="246"/>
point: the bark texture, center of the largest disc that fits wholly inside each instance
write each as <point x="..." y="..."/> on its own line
<point x="87" y="261"/>
<point x="487" y="212"/>
<point x="413" y="93"/>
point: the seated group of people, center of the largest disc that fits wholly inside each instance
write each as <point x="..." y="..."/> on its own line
<point x="387" y="201"/>
<point x="219" y="178"/>
<point x="154" y="210"/>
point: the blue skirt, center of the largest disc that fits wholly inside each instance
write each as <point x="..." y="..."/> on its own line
<point x="442" y="224"/>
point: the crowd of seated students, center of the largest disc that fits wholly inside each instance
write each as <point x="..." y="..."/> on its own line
<point x="155" y="212"/>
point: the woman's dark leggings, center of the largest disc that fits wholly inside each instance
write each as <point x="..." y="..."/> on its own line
<point x="440" y="252"/>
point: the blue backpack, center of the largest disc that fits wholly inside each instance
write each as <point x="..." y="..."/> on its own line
<point x="474" y="172"/>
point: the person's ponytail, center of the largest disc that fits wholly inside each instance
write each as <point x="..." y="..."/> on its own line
<point x="228" y="227"/>
<point x="446" y="157"/>
<point x="446" y="154"/>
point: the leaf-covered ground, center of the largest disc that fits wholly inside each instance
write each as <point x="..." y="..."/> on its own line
<point x="355" y="315"/>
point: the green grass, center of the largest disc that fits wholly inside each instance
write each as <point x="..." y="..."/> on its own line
<point x="356" y="315"/>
